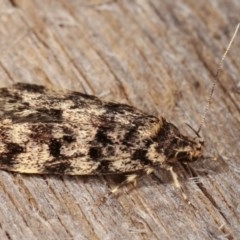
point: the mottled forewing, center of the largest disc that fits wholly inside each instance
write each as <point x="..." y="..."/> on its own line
<point x="64" y="132"/>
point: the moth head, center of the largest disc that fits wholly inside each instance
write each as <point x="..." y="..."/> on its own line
<point x="177" y="147"/>
<point x="188" y="150"/>
<point x="195" y="146"/>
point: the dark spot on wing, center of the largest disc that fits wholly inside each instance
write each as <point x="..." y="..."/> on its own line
<point x="82" y="100"/>
<point x="69" y="135"/>
<point x="130" y="136"/>
<point x="8" y="158"/>
<point x="69" y="138"/>
<point x="141" y="155"/>
<point x="10" y="96"/>
<point x="14" y="148"/>
<point x="5" y="92"/>
<point x="118" y="108"/>
<point x="55" y="147"/>
<point x="30" y="87"/>
<point x="102" y="137"/>
<point x="95" y="153"/>
<point x="103" y="167"/>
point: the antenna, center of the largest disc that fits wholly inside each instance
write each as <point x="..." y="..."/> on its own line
<point x="216" y="77"/>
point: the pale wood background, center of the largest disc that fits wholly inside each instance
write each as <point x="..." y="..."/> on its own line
<point x="158" y="56"/>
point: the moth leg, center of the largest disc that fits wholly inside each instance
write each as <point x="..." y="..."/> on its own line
<point x="177" y="184"/>
<point x="131" y="178"/>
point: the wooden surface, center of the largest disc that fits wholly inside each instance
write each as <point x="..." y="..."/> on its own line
<point x="159" y="56"/>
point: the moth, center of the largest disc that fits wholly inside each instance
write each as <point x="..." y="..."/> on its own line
<point x="49" y="131"/>
<point x="52" y="131"/>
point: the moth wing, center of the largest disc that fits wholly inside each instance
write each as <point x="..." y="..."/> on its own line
<point x="65" y="132"/>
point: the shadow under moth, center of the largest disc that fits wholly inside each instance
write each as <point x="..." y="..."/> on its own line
<point x="47" y="131"/>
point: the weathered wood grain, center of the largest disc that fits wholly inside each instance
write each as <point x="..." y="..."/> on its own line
<point x="159" y="56"/>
